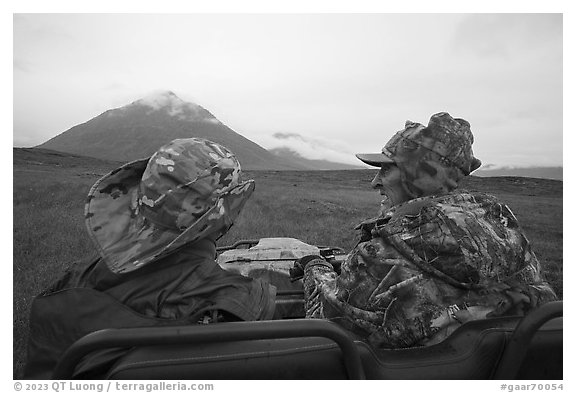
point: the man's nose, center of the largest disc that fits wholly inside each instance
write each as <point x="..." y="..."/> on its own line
<point x="377" y="181"/>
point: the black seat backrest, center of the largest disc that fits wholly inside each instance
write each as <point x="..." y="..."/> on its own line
<point x="474" y="351"/>
<point x="288" y="359"/>
<point x="223" y="349"/>
<point x="251" y="350"/>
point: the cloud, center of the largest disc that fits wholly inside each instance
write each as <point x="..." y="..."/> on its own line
<point x="505" y="35"/>
<point x="310" y="148"/>
<point x="24" y="141"/>
<point x="176" y="107"/>
<point x="21" y="65"/>
<point x="289" y="136"/>
<point x="28" y="136"/>
<point x="162" y="99"/>
<point x="306" y="73"/>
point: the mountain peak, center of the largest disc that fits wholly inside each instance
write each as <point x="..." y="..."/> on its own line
<point x="170" y="103"/>
<point x="161" y="99"/>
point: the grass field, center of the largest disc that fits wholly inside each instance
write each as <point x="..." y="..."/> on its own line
<point x="316" y="207"/>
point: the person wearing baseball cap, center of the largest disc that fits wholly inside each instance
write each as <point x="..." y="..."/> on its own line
<point x="154" y="223"/>
<point x="435" y="257"/>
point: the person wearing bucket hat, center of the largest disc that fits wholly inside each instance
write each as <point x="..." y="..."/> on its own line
<point x="424" y="160"/>
<point x="434" y="257"/>
<point x="154" y="223"/>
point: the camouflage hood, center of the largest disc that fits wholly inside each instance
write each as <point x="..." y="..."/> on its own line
<point x="188" y="190"/>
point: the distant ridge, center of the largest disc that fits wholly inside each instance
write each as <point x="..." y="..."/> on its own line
<point x="321" y="165"/>
<point x="137" y="130"/>
<point x="46" y="158"/>
<point x="554" y="173"/>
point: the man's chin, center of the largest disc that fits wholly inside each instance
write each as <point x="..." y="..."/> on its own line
<point x="385" y="204"/>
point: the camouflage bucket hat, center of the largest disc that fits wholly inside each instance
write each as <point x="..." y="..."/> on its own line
<point x="445" y="139"/>
<point x="146" y="209"/>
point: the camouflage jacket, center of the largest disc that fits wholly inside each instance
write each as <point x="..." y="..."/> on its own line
<point x="425" y="267"/>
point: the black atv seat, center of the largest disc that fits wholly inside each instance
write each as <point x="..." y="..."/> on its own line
<point x="317" y="349"/>
<point x="472" y="352"/>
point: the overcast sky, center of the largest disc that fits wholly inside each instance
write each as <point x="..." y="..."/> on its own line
<point x="328" y="85"/>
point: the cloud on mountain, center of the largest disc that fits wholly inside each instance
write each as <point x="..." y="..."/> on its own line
<point x="162" y="99"/>
<point x="174" y="106"/>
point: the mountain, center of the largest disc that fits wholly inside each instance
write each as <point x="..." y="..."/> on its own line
<point x="137" y="130"/>
<point x="554" y="173"/>
<point x="320" y="165"/>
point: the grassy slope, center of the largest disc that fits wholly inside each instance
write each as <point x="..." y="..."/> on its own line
<point x="316" y="207"/>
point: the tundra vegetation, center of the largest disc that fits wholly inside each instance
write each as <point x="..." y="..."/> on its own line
<point x="317" y="207"/>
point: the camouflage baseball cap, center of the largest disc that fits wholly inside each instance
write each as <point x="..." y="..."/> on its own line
<point x="189" y="189"/>
<point x="445" y="139"/>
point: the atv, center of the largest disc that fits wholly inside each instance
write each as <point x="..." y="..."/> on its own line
<point x="508" y="348"/>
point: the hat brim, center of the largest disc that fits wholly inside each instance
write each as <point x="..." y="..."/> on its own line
<point x="375" y="159"/>
<point x="126" y="240"/>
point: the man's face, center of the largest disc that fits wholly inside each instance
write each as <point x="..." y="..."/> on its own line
<point x="423" y="174"/>
<point x="428" y="177"/>
<point x="388" y="182"/>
